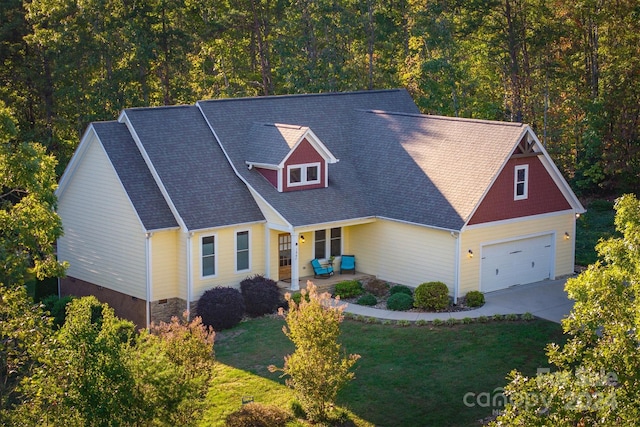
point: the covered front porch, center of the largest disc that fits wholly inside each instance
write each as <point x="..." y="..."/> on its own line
<point x="324" y="284"/>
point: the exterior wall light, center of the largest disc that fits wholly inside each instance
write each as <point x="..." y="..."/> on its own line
<point x="302" y="238"/>
<point x="566" y="235"/>
<point x="470" y="253"/>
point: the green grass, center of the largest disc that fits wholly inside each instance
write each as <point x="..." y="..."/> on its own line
<point x="407" y="376"/>
<point x="595" y="224"/>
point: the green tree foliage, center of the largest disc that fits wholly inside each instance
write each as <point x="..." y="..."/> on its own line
<point x="29" y="225"/>
<point x="96" y="371"/>
<point x="597" y="380"/>
<point x="568" y="68"/>
<point x="318" y="368"/>
<point x="24" y="336"/>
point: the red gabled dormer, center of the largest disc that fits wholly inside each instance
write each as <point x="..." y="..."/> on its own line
<point x="293" y="157"/>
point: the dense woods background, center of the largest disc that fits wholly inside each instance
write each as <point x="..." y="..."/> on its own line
<point x="569" y="68"/>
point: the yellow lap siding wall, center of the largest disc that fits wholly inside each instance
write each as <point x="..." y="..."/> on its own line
<point x="404" y="253"/>
<point x="166" y="261"/>
<point x="476" y="236"/>
<point x="104" y="240"/>
<point x="226" y="274"/>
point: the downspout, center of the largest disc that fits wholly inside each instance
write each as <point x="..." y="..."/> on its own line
<point x="149" y="278"/>
<point x="456" y="270"/>
<point x="189" y="274"/>
<point x="295" y="274"/>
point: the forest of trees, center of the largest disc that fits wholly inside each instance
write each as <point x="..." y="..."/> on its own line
<point x="571" y="69"/>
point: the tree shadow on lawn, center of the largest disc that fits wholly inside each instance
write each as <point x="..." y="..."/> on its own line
<point x="409" y="376"/>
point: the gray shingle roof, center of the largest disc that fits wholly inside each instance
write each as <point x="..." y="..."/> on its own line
<point x="135" y="176"/>
<point x="430" y="170"/>
<point x="394" y="162"/>
<point x="270" y="142"/>
<point x="331" y="117"/>
<point x="192" y="167"/>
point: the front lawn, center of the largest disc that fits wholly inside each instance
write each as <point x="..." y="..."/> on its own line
<point x="407" y="376"/>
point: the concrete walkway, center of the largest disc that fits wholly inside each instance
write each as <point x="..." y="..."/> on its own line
<point x="546" y="299"/>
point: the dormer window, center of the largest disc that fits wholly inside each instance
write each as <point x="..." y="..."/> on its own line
<point x="305" y="174"/>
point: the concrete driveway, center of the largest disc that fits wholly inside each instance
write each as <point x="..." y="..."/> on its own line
<point x="546" y="299"/>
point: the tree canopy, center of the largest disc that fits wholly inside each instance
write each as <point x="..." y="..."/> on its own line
<point x="567" y="68"/>
<point x="598" y="369"/>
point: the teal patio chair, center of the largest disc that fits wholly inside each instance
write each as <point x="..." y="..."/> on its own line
<point x="348" y="263"/>
<point x="319" y="270"/>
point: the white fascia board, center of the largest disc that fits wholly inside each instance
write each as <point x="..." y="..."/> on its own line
<point x="67" y="175"/>
<point x="253" y="191"/>
<point x="495" y="177"/>
<point x="433" y="227"/>
<point x="333" y="224"/>
<point x="316" y="144"/>
<point x="123" y="118"/>
<point x="261" y="165"/>
<point x="557" y="177"/>
<point x="222" y="227"/>
<point x="516" y="220"/>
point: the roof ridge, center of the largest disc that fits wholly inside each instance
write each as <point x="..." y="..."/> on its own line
<point x="159" y="107"/>
<point x="445" y="118"/>
<point x="282" y="125"/>
<point x="301" y="95"/>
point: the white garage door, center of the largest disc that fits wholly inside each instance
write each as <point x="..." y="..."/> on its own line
<point x="516" y="262"/>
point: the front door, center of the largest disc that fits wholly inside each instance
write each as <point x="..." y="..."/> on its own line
<point x="284" y="256"/>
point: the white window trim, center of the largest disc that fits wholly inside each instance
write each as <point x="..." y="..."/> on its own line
<point x="215" y="256"/>
<point x="303" y="174"/>
<point x="525" y="194"/>
<point x="327" y="242"/>
<point x="235" y="252"/>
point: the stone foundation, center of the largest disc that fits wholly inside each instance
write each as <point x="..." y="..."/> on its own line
<point x="163" y="310"/>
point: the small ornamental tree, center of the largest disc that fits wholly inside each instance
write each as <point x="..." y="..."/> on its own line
<point x="597" y="377"/>
<point x="318" y="368"/>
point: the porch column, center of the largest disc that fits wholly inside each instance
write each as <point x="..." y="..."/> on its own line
<point x="267" y="251"/>
<point x="295" y="274"/>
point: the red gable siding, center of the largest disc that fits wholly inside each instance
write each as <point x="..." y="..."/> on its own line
<point x="304" y="153"/>
<point x="543" y="196"/>
<point x="270" y="174"/>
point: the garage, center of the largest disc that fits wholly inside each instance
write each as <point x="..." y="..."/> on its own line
<point x="516" y="262"/>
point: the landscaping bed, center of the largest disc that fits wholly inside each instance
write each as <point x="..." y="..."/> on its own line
<point x="367" y="291"/>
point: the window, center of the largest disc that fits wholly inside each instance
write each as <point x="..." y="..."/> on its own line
<point x="332" y="247"/>
<point x="521" y="182"/>
<point x="320" y="243"/>
<point x="336" y="241"/>
<point x="208" y="256"/>
<point x="242" y="250"/>
<point x="303" y="174"/>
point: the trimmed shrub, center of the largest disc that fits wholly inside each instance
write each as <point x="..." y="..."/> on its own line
<point x="432" y="296"/>
<point x="437" y="322"/>
<point x="400" y="302"/>
<point x="348" y="289"/>
<point x="258" y="415"/>
<point x="376" y="287"/>
<point x="221" y="308"/>
<point x="261" y="295"/>
<point x="474" y="299"/>
<point x="400" y="289"/>
<point x="528" y="317"/>
<point x="367" y="299"/>
<point x="57" y="307"/>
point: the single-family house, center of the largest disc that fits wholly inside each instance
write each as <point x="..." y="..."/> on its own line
<point x="166" y="202"/>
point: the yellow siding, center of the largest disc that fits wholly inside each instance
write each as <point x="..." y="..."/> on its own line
<point x="165" y="261"/>
<point x="226" y="274"/>
<point x="403" y="253"/>
<point x="270" y="215"/>
<point x="103" y="240"/>
<point x="476" y="236"/>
